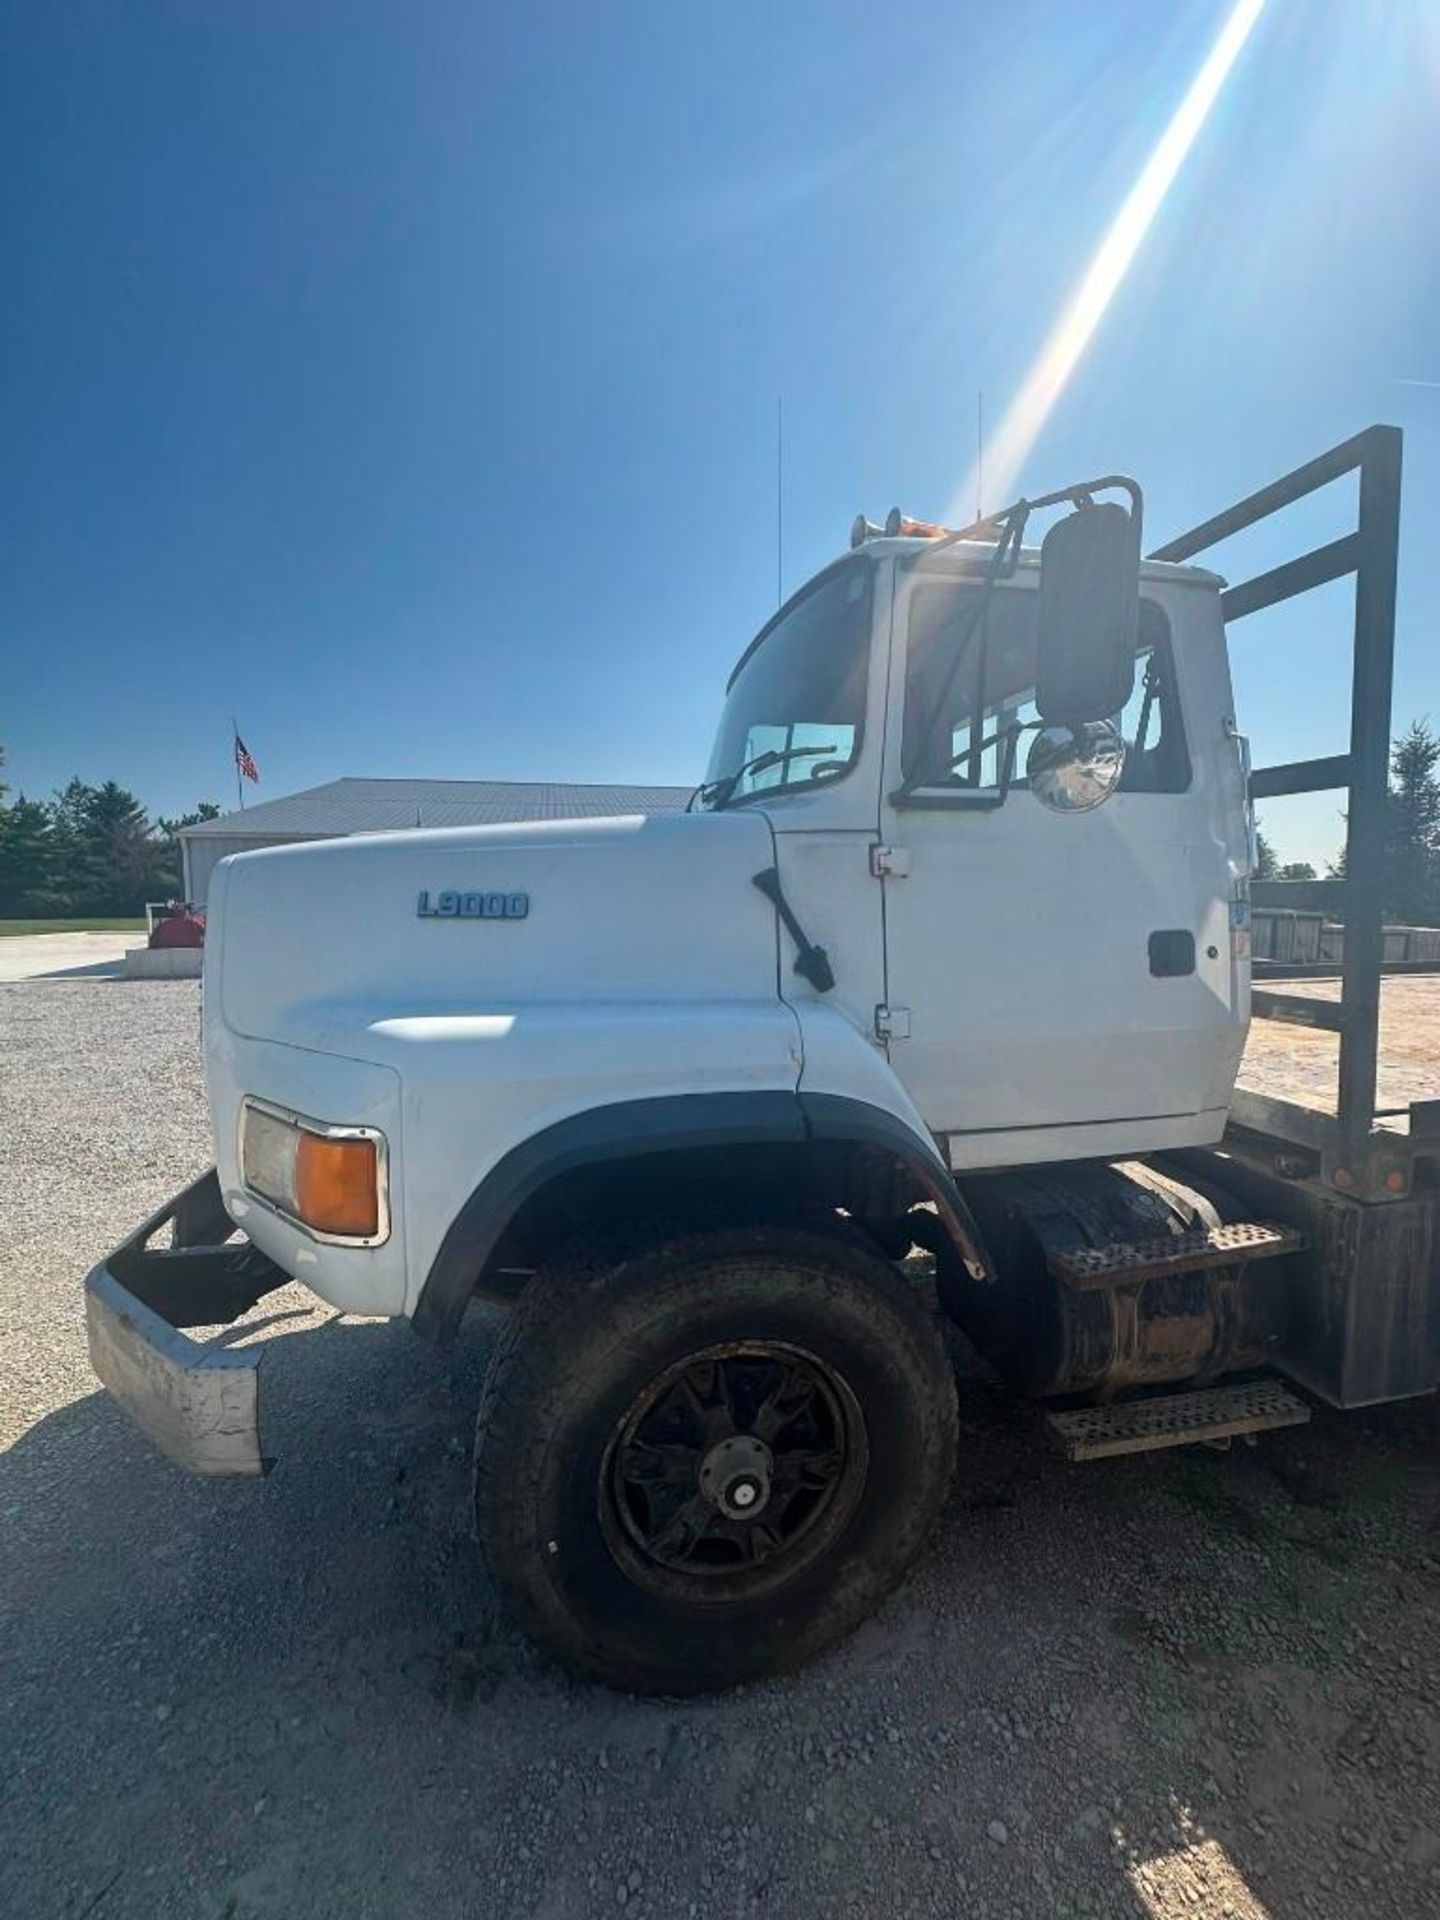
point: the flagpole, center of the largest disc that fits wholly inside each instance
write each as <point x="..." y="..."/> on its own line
<point x="235" y="756"/>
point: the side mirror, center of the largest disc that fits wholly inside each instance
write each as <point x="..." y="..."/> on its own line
<point x="1089" y="615"/>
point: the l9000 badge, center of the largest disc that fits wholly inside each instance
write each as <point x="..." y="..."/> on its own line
<point x="472" y="906"/>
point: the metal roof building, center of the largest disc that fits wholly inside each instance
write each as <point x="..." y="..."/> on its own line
<point x="343" y="807"/>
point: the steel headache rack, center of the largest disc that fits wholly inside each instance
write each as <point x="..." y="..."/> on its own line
<point x="1353" y="1154"/>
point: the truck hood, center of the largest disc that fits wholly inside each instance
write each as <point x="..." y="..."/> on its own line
<point x="305" y="941"/>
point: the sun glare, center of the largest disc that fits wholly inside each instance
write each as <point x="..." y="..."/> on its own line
<point x="1086" y="307"/>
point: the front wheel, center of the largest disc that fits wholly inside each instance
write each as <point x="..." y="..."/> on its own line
<point x="706" y="1461"/>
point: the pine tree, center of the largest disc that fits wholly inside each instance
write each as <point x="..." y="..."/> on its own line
<point x="107" y="860"/>
<point x="26" y="858"/>
<point x="70" y="873"/>
<point x="205" y="810"/>
<point x="122" y="857"/>
<point x="90" y="851"/>
<point x="1412" y="828"/>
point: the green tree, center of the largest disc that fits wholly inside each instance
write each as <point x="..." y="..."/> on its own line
<point x="205" y="810"/>
<point x="1412" y="827"/>
<point x="122" y="858"/>
<point x="1296" y="870"/>
<point x="26" y="857"/>
<point x="91" y="850"/>
<point x="1267" y="867"/>
<point x="107" y="859"/>
<point x="1411" y="885"/>
<point x="70" y="873"/>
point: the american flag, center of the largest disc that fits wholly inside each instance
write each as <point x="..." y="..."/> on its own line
<point x="244" y="761"/>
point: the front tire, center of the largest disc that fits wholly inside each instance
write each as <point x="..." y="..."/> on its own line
<point x="704" y="1461"/>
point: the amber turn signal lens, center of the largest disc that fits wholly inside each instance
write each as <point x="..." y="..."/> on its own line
<point x="337" y="1187"/>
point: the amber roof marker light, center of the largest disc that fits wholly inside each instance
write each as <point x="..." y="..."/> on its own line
<point x="897" y="526"/>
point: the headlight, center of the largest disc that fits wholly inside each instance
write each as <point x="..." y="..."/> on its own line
<point x="330" y="1179"/>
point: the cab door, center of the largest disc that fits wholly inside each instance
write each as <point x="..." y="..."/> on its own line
<point x="1057" y="984"/>
<point x="805" y="718"/>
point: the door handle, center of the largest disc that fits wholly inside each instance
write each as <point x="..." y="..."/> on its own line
<point x="1172" y="953"/>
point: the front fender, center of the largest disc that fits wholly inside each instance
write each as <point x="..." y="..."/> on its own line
<point x="477" y="1088"/>
<point x="754" y="1099"/>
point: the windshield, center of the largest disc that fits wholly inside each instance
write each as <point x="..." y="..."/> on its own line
<point x="796" y="707"/>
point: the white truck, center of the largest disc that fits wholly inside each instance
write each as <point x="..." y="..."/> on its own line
<point x="950" y="951"/>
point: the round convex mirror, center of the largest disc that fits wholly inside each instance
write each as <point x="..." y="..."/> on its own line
<point x="1072" y="769"/>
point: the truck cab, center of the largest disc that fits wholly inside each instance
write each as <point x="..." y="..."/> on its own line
<point x="1043" y="984"/>
<point x="948" y="957"/>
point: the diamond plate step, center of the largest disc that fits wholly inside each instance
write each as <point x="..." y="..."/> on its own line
<point x="1175" y="1420"/>
<point x="1127" y="1261"/>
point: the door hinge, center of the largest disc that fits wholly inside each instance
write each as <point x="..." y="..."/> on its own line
<point x="891" y="863"/>
<point x="892" y="1023"/>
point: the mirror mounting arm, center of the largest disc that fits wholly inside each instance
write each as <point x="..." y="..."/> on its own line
<point x="1007" y="528"/>
<point x="1083" y="492"/>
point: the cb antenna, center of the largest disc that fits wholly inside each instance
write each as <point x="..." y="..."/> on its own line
<point x="980" y="453"/>
<point x="779" y="498"/>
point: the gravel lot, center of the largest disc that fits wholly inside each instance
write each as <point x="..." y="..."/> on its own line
<point x="1195" y="1683"/>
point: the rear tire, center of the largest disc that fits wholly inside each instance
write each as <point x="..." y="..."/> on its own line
<point x="707" y="1459"/>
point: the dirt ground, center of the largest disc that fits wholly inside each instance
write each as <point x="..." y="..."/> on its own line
<point x="1297" y="1063"/>
<point x="1192" y="1683"/>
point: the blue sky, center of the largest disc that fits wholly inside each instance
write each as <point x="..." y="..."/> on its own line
<point x="402" y="379"/>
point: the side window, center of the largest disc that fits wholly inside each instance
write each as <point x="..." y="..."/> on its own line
<point x="994" y="675"/>
<point x="1157" y="759"/>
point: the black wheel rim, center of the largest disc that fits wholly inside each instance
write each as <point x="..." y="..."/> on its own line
<point x="732" y="1472"/>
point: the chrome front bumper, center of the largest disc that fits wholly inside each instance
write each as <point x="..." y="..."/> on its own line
<point x="200" y="1404"/>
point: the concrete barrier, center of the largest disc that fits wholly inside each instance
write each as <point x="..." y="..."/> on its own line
<point x="164" y="963"/>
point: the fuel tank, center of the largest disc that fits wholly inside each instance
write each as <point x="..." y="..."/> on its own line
<point x="1053" y="1339"/>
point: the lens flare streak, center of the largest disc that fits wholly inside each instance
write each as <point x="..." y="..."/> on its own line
<point x="1085" y="309"/>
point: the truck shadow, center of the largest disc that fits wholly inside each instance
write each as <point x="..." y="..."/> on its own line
<point x="91" y="970"/>
<point x="1147" y="1688"/>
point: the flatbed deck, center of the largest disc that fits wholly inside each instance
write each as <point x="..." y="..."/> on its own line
<point x="1300" y="1063"/>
